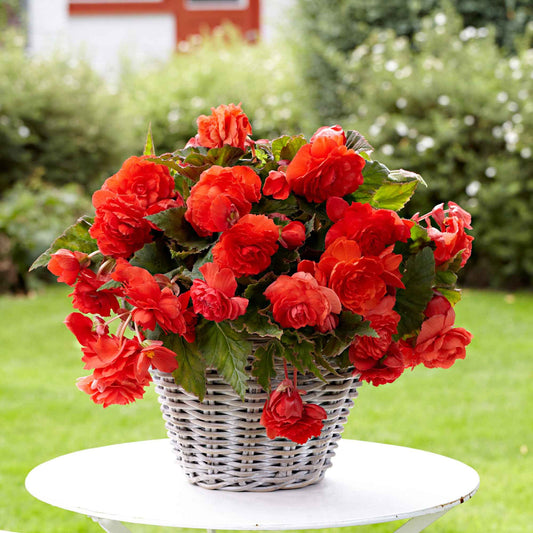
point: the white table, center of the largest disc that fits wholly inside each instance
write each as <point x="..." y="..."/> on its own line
<point x="141" y="482"/>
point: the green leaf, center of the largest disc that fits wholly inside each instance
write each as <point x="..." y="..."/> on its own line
<point x="452" y="295"/>
<point x="445" y="278"/>
<point x="154" y="257"/>
<point x="149" y="148"/>
<point x="173" y="224"/>
<point x="263" y="366"/>
<point x="256" y="323"/>
<point x="111" y="284"/>
<point x="287" y="147"/>
<point x="412" y="301"/>
<point x="190" y="373"/>
<point x="357" y="142"/>
<point x="225" y="156"/>
<point x="374" y="176"/>
<point x="393" y="195"/>
<point x="403" y="176"/>
<point x="227" y="351"/>
<point x="255" y="291"/>
<point x="300" y="352"/>
<point x="349" y="326"/>
<point x="75" y="238"/>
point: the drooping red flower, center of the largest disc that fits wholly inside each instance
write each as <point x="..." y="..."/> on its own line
<point x="299" y="301"/>
<point x="115" y="384"/>
<point x="439" y="344"/>
<point x="88" y="298"/>
<point x="215" y="297"/>
<point x="67" y="265"/>
<point x="145" y="184"/>
<point x="451" y="240"/>
<point x="372" y="229"/>
<point x="292" y="235"/>
<point x="119" y="228"/>
<point x="221" y="197"/>
<point x="247" y="247"/>
<point x="152" y="305"/>
<point x="276" y="185"/>
<point x="153" y="353"/>
<point x="286" y="415"/>
<point x="325" y="168"/>
<point x="384" y="370"/>
<point x="227" y="124"/>
<point x="450" y="237"/>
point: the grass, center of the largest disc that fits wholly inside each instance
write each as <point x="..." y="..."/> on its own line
<point x="479" y="412"/>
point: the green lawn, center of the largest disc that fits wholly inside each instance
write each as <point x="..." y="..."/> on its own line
<point x="479" y="411"/>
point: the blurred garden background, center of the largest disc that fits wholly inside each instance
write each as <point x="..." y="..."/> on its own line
<point x="440" y="88"/>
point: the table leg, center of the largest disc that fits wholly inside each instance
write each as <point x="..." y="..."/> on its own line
<point x="111" y="526"/>
<point x="418" y="523"/>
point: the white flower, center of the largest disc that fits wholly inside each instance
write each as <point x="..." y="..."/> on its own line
<point x="440" y="19"/>
<point x="490" y="172"/>
<point x="401" y="129"/>
<point x="391" y="65"/>
<point x="502" y="97"/>
<point x="23" y="132"/>
<point x="443" y="99"/>
<point x="469" y="120"/>
<point x="387" y="149"/>
<point x="473" y="188"/>
<point x="525" y="153"/>
<point x="401" y="103"/>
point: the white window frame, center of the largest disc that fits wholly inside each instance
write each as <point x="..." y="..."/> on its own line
<point x="224" y="5"/>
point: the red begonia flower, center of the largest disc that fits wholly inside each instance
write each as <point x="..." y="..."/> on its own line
<point x="215" y="297"/>
<point x="227" y="124"/>
<point x="286" y="415"/>
<point x="67" y="265"/>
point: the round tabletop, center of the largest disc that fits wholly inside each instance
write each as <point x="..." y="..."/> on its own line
<point x="141" y="482"/>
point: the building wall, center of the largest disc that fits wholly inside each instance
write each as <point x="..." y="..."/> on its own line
<point x="140" y="32"/>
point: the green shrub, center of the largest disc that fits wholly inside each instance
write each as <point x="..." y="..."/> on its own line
<point x="326" y="35"/>
<point x="57" y="120"/>
<point x="460" y="113"/>
<point x="208" y="71"/>
<point x="32" y="215"/>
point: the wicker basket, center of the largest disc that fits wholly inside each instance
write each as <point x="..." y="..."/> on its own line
<point x="221" y="444"/>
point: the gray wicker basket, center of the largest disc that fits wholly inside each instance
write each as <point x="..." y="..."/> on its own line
<point x="221" y="444"/>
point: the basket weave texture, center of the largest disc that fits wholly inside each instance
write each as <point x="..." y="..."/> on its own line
<point x="221" y="444"/>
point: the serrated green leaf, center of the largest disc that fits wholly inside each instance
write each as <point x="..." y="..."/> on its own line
<point x="255" y="291"/>
<point x="411" y="302"/>
<point x="173" y="224"/>
<point x="149" y="148"/>
<point x="263" y="367"/>
<point x="225" y="350"/>
<point x="190" y="373"/>
<point x="75" y="238"/>
<point x="256" y="323"/>
<point x="286" y="147"/>
<point x="300" y="352"/>
<point x="393" y="195"/>
<point x="374" y="176"/>
<point x="356" y="142"/>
